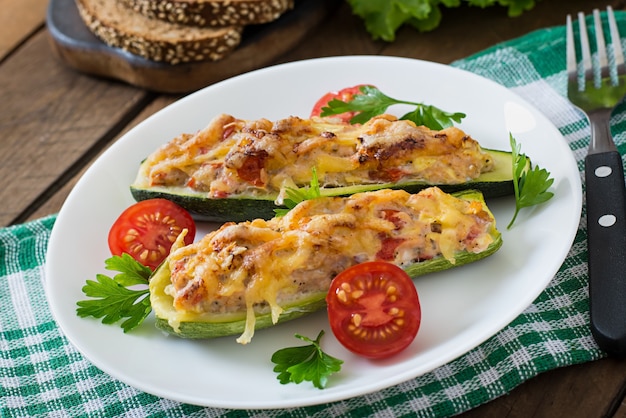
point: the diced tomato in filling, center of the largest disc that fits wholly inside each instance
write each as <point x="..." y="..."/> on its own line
<point x="250" y="170"/>
<point x="228" y="132"/>
<point x="392" y="216"/>
<point x="388" y="248"/>
<point x="220" y="194"/>
<point x="390" y="175"/>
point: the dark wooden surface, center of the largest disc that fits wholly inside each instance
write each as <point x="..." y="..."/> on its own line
<point x="75" y="45"/>
<point x="54" y="121"/>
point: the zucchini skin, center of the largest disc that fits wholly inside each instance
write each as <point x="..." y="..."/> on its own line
<point x="244" y="208"/>
<point x="205" y="327"/>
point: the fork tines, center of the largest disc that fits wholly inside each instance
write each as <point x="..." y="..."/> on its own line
<point x="587" y="66"/>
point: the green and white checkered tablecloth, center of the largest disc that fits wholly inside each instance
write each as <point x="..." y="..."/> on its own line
<point x="42" y="374"/>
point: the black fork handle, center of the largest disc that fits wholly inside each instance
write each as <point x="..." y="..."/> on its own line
<point x="606" y="239"/>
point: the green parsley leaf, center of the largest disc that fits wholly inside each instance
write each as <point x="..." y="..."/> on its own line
<point x="371" y="102"/>
<point x="113" y="298"/>
<point x="295" y="196"/>
<point x="309" y="362"/>
<point x="530" y="186"/>
<point x="433" y="117"/>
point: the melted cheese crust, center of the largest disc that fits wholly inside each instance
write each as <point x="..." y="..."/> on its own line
<point x="259" y="265"/>
<point x="233" y="157"/>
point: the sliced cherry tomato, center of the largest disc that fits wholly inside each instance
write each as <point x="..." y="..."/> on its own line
<point x="344" y="95"/>
<point x="147" y="230"/>
<point x="373" y="309"/>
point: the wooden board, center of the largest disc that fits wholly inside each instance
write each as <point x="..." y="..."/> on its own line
<point x="76" y="46"/>
<point x="18" y="20"/>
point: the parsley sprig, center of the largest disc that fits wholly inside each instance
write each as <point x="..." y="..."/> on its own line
<point x="295" y="196"/>
<point x="530" y="186"/>
<point x="371" y="102"/>
<point x="116" y="298"/>
<point x="308" y="362"/>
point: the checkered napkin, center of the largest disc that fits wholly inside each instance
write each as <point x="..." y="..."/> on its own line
<point x="41" y="374"/>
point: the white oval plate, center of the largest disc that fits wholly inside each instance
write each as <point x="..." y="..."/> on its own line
<point x="461" y="307"/>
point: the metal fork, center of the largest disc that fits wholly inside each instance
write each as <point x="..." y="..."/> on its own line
<point x="596" y="90"/>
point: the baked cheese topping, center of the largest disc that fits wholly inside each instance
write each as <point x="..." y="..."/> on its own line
<point x="259" y="266"/>
<point x="232" y="157"/>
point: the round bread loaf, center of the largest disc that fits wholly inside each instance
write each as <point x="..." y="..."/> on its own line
<point x="119" y="26"/>
<point x="212" y="12"/>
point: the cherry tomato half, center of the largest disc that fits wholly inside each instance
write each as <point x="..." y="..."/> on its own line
<point x="373" y="309"/>
<point x="147" y="230"/>
<point x="344" y="95"/>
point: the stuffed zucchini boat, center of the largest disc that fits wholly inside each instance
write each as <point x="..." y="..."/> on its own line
<point x="236" y="170"/>
<point x="251" y="275"/>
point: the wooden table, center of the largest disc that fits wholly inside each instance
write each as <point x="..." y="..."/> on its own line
<point x="55" y="121"/>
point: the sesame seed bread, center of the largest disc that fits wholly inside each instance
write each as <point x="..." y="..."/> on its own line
<point x="212" y="12"/>
<point x="119" y="26"/>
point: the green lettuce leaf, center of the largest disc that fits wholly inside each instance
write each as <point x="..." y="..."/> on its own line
<point x="383" y="18"/>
